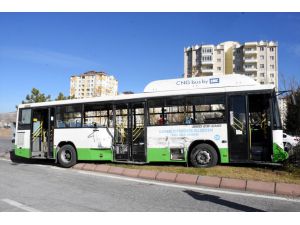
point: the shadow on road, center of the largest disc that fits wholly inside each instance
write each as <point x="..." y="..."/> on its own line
<point x="220" y="201"/>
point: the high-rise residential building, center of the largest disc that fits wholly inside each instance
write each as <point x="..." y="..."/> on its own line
<point x="93" y="84"/>
<point x="258" y="60"/>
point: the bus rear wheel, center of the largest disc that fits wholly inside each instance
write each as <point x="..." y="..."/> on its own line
<point x="67" y="156"/>
<point x="203" y="155"/>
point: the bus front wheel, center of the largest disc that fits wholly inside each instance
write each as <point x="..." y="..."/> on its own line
<point x="67" y="156"/>
<point x="203" y="155"/>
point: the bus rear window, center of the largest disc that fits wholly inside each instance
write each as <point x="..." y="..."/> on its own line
<point x="24" y="119"/>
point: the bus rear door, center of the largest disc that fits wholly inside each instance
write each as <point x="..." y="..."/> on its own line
<point x="129" y="132"/>
<point x="238" y="130"/>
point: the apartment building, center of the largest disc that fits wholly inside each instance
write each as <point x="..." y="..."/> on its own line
<point x="93" y="84"/>
<point x="258" y="60"/>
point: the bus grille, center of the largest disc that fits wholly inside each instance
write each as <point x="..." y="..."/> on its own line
<point x="20" y="139"/>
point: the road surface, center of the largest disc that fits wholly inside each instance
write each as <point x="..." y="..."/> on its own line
<point x="5" y="144"/>
<point x="45" y="187"/>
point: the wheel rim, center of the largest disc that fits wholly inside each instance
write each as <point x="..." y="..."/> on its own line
<point x="288" y="146"/>
<point x="66" y="156"/>
<point x="203" y="157"/>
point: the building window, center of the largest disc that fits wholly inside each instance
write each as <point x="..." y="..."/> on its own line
<point x="272" y="49"/>
<point x="271" y="57"/>
<point x="272" y="66"/>
<point x="261" y="66"/>
<point x="262" y="48"/>
<point x="262" y="82"/>
<point x="219" y="68"/>
<point x="272" y="75"/>
<point x="262" y="57"/>
<point x="219" y="52"/>
<point x="218" y="60"/>
<point x="262" y="74"/>
<point x="207" y="50"/>
<point x="206" y="58"/>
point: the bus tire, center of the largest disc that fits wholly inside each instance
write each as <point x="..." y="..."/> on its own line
<point x="203" y="155"/>
<point x="66" y="156"/>
<point x="14" y="158"/>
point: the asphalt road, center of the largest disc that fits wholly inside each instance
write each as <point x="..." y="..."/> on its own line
<point x="42" y="187"/>
<point x="5" y="144"/>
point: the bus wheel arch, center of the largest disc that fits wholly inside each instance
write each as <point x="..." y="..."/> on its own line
<point x="66" y="154"/>
<point x="210" y="146"/>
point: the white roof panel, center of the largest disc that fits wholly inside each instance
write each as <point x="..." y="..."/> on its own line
<point x="175" y="87"/>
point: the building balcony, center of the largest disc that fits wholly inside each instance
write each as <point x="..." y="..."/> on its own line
<point x="207" y="62"/>
<point x="206" y="70"/>
<point x="250" y="59"/>
<point x="206" y="74"/>
<point x="250" y="51"/>
<point x="250" y="68"/>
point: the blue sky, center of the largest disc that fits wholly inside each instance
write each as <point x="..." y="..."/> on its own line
<point x="43" y="50"/>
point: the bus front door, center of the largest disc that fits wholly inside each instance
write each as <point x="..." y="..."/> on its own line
<point x="238" y="130"/>
<point x="42" y="133"/>
<point x="129" y="132"/>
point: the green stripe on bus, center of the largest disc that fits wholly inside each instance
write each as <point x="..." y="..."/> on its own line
<point x="23" y="152"/>
<point x="160" y="155"/>
<point x="94" y="154"/>
<point x="224" y="155"/>
<point x="278" y="153"/>
<point x="54" y="153"/>
<point x="163" y="155"/>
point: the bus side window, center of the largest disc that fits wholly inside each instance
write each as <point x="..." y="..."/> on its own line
<point x="101" y="115"/>
<point x="68" y="116"/>
<point x="60" y="124"/>
<point x="207" y="109"/>
<point x="156" y="112"/>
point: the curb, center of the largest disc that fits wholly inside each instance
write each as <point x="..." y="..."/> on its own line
<point x="277" y="188"/>
<point x="291" y="190"/>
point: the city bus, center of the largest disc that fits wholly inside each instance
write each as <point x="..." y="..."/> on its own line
<point x="200" y="121"/>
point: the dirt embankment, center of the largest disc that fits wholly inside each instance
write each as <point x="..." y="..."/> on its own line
<point x="6" y="124"/>
<point x="5" y="132"/>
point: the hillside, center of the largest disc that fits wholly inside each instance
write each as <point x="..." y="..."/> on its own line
<point x="7" y="118"/>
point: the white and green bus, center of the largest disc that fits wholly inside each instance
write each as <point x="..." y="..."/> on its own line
<point x="199" y="121"/>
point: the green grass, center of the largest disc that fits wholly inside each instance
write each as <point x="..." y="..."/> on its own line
<point x="272" y="174"/>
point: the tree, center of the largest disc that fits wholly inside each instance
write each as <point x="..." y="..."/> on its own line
<point x="293" y="113"/>
<point x="61" y="96"/>
<point x="128" y="92"/>
<point x="36" y="96"/>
